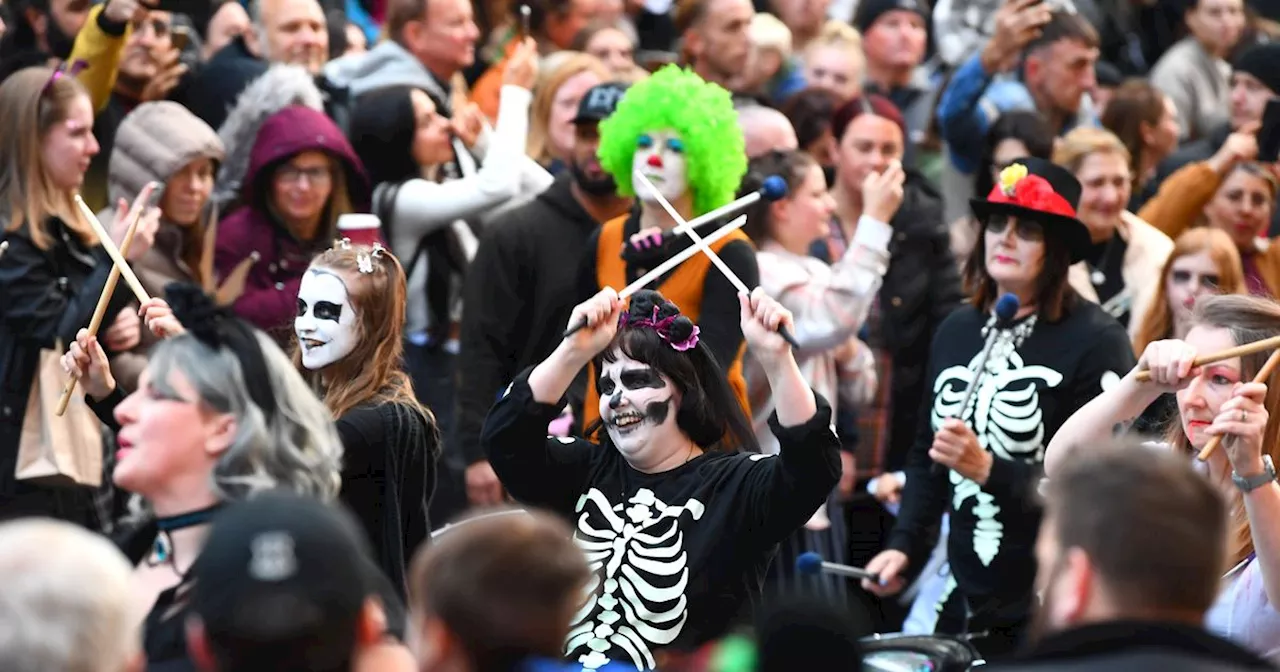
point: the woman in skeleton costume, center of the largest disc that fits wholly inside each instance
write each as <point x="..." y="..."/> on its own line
<point x="1057" y="353"/>
<point x="678" y="524"/>
<point x="1214" y="400"/>
<point x="351" y="312"/>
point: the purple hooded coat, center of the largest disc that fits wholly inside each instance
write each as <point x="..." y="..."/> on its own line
<point x="270" y="297"/>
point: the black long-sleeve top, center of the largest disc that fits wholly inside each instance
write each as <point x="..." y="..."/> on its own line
<point x="1058" y="368"/>
<point x="677" y="555"/>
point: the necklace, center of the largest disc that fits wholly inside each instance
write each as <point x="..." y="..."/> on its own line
<point x="1096" y="274"/>
<point x="162" y="550"/>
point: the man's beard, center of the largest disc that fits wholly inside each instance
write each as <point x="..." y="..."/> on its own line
<point x="595" y="186"/>
<point x="59" y="43"/>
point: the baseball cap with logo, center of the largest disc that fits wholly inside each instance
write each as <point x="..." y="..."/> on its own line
<point x="599" y="102"/>
<point x="283" y="577"/>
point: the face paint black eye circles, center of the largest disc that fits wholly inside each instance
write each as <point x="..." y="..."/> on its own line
<point x="605" y="385"/>
<point x="326" y="310"/>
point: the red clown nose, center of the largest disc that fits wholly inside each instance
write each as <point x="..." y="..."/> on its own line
<point x="655" y="160"/>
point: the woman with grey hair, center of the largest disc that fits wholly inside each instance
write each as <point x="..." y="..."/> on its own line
<point x="220" y="414"/>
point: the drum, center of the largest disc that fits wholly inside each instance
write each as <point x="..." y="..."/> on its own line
<point x="918" y="653"/>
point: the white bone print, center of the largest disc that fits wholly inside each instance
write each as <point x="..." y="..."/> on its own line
<point x="636" y="600"/>
<point x="1005" y="415"/>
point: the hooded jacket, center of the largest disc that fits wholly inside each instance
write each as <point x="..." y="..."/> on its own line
<point x="280" y="87"/>
<point x="154" y="143"/>
<point x="271" y="288"/>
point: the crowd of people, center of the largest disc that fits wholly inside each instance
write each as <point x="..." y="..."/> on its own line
<point x="525" y="335"/>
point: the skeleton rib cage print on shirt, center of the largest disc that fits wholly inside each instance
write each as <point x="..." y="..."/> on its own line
<point x="677" y="556"/>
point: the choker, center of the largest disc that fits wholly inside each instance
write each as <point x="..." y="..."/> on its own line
<point x="162" y="550"/>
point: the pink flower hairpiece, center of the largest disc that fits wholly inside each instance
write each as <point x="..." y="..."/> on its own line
<point x="663" y="327"/>
<point x="64" y="68"/>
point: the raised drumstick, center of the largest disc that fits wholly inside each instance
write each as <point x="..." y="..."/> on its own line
<point x="100" y="311"/>
<point x="686" y="228"/>
<point x="1230" y="353"/>
<point x="667" y="265"/>
<point x="116" y="257"/>
<point x="1263" y="374"/>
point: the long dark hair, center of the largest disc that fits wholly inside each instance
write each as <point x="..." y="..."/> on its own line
<point x="382" y="128"/>
<point x="1054" y="296"/>
<point x="709" y="411"/>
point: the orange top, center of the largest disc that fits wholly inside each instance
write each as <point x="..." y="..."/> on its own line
<point x="487" y="91"/>
<point x="682" y="287"/>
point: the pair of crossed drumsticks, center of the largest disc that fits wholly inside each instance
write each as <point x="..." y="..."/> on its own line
<point x="772" y="189"/>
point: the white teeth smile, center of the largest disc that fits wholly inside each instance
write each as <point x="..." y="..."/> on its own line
<point x="623" y="420"/>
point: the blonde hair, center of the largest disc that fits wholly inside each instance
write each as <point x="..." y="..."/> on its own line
<point x="840" y="35"/>
<point x="1081" y="143"/>
<point x="768" y="32"/>
<point x="570" y="65"/>
<point x="1157" y="324"/>
<point x="32" y="101"/>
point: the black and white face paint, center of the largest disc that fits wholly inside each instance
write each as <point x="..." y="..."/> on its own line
<point x="326" y="321"/>
<point x="638" y="406"/>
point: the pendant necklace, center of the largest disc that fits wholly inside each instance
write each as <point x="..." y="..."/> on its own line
<point x="1096" y="275"/>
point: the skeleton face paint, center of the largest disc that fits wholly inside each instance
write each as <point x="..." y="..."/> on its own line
<point x="660" y="157"/>
<point x="326" y="321"/>
<point x="637" y="405"/>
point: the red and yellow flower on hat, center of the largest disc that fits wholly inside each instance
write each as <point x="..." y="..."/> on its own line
<point x="1017" y="186"/>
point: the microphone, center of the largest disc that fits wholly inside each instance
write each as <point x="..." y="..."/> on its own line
<point x="1006" y="309"/>
<point x="812" y="564"/>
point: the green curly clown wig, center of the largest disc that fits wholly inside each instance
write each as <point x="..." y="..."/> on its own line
<point x="700" y="112"/>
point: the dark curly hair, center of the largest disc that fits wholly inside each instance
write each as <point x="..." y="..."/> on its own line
<point x="709" y="411"/>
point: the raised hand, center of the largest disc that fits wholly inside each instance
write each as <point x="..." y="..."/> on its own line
<point x="522" y="65"/>
<point x="159" y="318"/>
<point x="761" y="316"/>
<point x="1018" y="22"/>
<point x="86" y="362"/>
<point x="601" y="312"/>
<point x="882" y="192"/>
<point x="955" y="446"/>
<point x="125" y="332"/>
<point x="1242" y="422"/>
<point x="1170" y="362"/>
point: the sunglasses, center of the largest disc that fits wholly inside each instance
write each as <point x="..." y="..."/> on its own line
<point x="1031" y="232"/>
<point x="1206" y="280"/>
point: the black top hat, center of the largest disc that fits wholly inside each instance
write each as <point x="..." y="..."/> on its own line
<point x="1043" y="192"/>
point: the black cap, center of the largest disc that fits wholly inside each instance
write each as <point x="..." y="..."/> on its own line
<point x="281" y="567"/>
<point x="870" y="10"/>
<point x="1260" y="61"/>
<point x="599" y="102"/>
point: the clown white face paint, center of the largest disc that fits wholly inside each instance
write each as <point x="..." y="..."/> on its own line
<point x="326" y="321"/>
<point x="638" y="406"/>
<point x="660" y="157"/>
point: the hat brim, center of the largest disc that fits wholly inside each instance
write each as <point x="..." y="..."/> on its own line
<point x="586" y="119"/>
<point x="1069" y="230"/>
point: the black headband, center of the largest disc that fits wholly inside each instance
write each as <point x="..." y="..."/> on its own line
<point x="218" y="328"/>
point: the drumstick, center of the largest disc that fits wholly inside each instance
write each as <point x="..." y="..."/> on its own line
<point x="3" y="246"/>
<point x="116" y="257"/>
<point x="1263" y="374"/>
<point x="771" y="189"/>
<point x="1230" y="353"/>
<point x="104" y="299"/>
<point x="658" y="271"/>
<point x="716" y="261"/>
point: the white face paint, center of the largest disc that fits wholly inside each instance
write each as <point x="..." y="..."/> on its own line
<point x="326" y="321"/>
<point x="660" y="157"/>
<point x="638" y="406"/>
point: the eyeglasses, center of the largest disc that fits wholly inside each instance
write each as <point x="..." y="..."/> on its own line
<point x="294" y="175"/>
<point x="1027" y="230"/>
<point x="1206" y="280"/>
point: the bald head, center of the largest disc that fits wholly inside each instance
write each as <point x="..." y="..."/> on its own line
<point x="65" y="601"/>
<point x="765" y="129"/>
